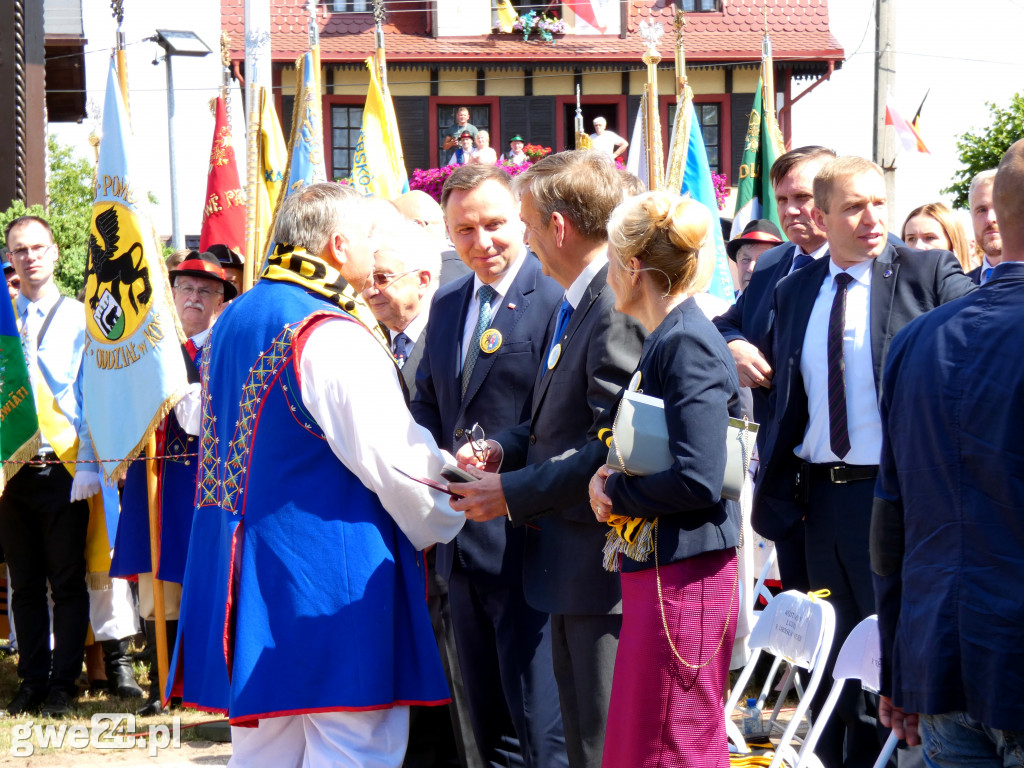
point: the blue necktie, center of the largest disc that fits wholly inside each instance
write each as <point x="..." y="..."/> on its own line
<point x="987" y="275"/>
<point x="564" y="313"/>
<point x="401" y="349"/>
<point x="801" y="261"/>
<point x="485" y="295"/>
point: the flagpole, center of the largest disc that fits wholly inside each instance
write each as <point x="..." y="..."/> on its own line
<point x="257" y="55"/>
<point x="117" y="6"/>
<point x="379" y="55"/>
<point x="652" y="125"/>
<point x="678" y="22"/>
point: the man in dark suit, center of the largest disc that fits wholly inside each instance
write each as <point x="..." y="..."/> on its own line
<point x="986" y="228"/>
<point x="484" y="343"/>
<point x="946" y="541"/>
<point x="405" y="278"/>
<point x="833" y="324"/>
<point x="746" y="326"/>
<point x="566" y="201"/>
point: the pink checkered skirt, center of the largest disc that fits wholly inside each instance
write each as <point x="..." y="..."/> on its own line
<point x="664" y="714"/>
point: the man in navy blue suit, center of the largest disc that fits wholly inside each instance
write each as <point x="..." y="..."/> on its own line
<point x="947" y="546"/>
<point x="483" y="344"/>
<point x="986" y="227"/>
<point x="746" y="326"/>
<point x="833" y="324"/>
<point x="548" y="460"/>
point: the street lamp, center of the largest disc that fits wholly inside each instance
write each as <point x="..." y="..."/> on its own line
<point x="176" y="42"/>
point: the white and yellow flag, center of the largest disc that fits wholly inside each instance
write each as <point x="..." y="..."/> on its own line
<point x="133" y="370"/>
<point x="378" y="166"/>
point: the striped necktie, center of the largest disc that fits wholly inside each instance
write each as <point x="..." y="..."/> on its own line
<point x="485" y="295"/>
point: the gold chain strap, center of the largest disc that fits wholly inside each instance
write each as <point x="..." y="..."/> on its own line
<point x="664" y="621"/>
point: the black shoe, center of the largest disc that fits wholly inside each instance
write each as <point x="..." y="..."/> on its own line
<point x="27" y="701"/>
<point x="57" y="704"/>
<point x="118" y="666"/>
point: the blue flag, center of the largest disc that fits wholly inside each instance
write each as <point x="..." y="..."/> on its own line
<point x="697" y="182"/>
<point x="306" y="148"/>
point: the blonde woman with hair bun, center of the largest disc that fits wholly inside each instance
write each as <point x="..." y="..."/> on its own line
<point x="672" y="536"/>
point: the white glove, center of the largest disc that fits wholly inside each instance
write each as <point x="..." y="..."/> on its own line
<point x="85" y="484"/>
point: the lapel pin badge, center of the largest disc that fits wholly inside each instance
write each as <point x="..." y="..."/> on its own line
<point x="511" y="305"/>
<point x="490" y="341"/>
<point x="887" y="273"/>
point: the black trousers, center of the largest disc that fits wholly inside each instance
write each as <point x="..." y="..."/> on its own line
<point x="43" y="538"/>
<point x="838" y="519"/>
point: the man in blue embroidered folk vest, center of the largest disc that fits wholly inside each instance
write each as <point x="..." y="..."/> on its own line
<point x="305" y="535"/>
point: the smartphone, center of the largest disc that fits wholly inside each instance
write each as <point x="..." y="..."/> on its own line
<point x="453" y="474"/>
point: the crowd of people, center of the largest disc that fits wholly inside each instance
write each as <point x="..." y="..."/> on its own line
<point x="393" y="533"/>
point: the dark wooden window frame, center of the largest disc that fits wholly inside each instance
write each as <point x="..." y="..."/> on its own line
<point x="494" y="102"/>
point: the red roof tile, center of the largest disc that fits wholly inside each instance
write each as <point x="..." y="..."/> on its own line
<point x="799" y="31"/>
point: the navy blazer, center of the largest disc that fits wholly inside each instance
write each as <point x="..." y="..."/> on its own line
<point x="905" y="283"/>
<point x="555" y="452"/>
<point x="686" y="364"/>
<point x="498" y="396"/>
<point x="750" y="318"/>
<point x="947" y="543"/>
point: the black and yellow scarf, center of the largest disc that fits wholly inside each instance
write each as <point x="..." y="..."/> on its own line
<point x="289" y="264"/>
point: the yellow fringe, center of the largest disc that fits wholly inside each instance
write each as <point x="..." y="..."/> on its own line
<point x="29" y="449"/>
<point x="636" y="543"/>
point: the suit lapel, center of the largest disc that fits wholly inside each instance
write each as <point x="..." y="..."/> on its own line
<point x="579" y="314"/>
<point x="884" y="273"/>
<point x="811" y="278"/>
<point x="505" y="322"/>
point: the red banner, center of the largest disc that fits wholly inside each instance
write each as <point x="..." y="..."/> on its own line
<point x="224" y="211"/>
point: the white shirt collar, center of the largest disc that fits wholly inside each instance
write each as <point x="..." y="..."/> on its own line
<point x="415" y="326"/>
<point x="200" y="338"/>
<point x="584" y="279"/>
<point x="861" y="272"/>
<point x="501" y="287"/>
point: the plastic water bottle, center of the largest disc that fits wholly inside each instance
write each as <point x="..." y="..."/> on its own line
<point x="752" y="723"/>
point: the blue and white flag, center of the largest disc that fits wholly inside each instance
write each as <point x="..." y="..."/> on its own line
<point x="306" y="147"/>
<point x="698" y="184"/>
<point x="133" y="369"/>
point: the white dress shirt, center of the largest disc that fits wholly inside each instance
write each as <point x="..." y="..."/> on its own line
<point x="815" y="254"/>
<point x="357" y="401"/>
<point x="413" y="330"/>
<point x="864" y="423"/>
<point x="584" y="279"/>
<point x="473" y="311"/>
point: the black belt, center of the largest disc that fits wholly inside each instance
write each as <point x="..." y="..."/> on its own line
<point x="838" y="473"/>
<point x="41" y="459"/>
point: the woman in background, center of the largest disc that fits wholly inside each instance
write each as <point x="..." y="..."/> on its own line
<point x="934" y="226"/>
<point x="484" y="153"/>
<point x="672" y="536"/>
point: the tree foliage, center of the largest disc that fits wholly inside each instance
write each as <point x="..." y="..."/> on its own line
<point x="69" y="181"/>
<point x="983" y="150"/>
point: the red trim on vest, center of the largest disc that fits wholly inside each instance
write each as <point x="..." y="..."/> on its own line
<point x="252" y="721"/>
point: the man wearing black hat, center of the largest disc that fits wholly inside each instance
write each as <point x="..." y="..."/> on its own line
<point x="232" y="263"/>
<point x="464" y="153"/>
<point x="757" y="237"/>
<point x="200" y="289"/>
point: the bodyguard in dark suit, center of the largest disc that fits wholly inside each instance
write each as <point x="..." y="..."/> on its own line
<point x="833" y="324"/>
<point x="747" y="325"/>
<point x="405" y="272"/>
<point x="947" y="546"/>
<point x="566" y="201"/>
<point x="484" y="343"/>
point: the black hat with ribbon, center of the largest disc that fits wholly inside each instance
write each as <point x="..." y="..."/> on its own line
<point x="204" y="265"/>
<point x="756" y="231"/>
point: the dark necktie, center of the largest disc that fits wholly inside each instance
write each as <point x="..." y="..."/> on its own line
<point x="838" y="431"/>
<point x="802" y="260"/>
<point x="485" y="295"/>
<point x="401" y="344"/>
<point x="564" y="313"/>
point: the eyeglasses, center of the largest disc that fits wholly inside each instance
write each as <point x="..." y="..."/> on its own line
<point x="34" y="250"/>
<point x="202" y="293"/>
<point x="382" y="280"/>
<point x="478" y="442"/>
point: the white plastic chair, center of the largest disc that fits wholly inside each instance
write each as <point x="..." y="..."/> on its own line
<point x="860" y="658"/>
<point x="797" y="629"/>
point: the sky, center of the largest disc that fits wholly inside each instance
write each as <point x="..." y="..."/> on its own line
<point x="966" y="53"/>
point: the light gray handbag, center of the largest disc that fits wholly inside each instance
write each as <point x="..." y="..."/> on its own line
<point x="639" y="443"/>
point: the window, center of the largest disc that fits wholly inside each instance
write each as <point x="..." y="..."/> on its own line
<point x="346" y="123"/>
<point x="702" y="6"/>
<point x="479" y="116"/>
<point x="709" y="117"/>
<point x="349" y="6"/>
